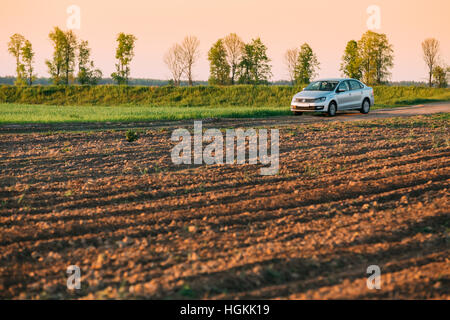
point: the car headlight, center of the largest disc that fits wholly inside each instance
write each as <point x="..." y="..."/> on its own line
<point x="321" y="99"/>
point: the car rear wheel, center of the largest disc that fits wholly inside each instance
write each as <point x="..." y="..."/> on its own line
<point x="332" y="108"/>
<point x="365" y="107"/>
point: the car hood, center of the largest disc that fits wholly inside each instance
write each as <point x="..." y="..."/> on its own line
<point x="312" y="94"/>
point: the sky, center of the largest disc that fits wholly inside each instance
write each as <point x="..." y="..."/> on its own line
<point x="282" y="24"/>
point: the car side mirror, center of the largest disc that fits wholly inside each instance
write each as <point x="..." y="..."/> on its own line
<point x="340" y="90"/>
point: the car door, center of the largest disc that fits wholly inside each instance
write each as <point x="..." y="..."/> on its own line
<point x="343" y="95"/>
<point x="356" y="94"/>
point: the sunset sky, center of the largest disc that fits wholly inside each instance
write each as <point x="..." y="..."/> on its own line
<point x="326" y="25"/>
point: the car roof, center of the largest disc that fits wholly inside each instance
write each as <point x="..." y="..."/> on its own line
<point x="335" y="79"/>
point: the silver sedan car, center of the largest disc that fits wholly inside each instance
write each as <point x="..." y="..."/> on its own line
<point x="331" y="95"/>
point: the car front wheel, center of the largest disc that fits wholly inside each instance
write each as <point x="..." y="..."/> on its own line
<point x="332" y="108"/>
<point x="298" y="113"/>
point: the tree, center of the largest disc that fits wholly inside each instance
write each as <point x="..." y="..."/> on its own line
<point x="254" y="66"/>
<point x="174" y="61"/>
<point x="246" y="64"/>
<point x="384" y="58"/>
<point x="366" y="54"/>
<point x="15" y="46"/>
<point x="307" y="65"/>
<point x="190" y="55"/>
<point x="28" y="59"/>
<point x="291" y="60"/>
<point x="69" y="49"/>
<point x="124" y="55"/>
<point x="234" y="47"/>
<point x="376" y="56"/>
<point x="351" y="62"/>
<point x="83" y="62"/>
<point x="86" y="72"/>
<point x="440" y="75"/>
<point x="430" y="49"/>
<point x="218" y="65"/>
<point x="55" y="65"/>
<point x="62" y="65"/>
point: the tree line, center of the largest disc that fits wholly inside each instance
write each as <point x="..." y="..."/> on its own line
<point x="371" y="58"/>
<point x="231" y="60"/>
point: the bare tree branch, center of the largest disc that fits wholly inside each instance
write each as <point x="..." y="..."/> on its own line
<point x="291" y="61"/>
<point x="190" y="55"/>
<point x="174" y="61"/>
<point x="234" y="47"/>
<point x="430" y="49"/>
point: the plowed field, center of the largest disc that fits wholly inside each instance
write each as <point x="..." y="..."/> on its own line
<point x="348" y="195"/>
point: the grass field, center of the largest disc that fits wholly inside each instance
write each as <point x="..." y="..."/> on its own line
<point x="391" y="97"/>
<point x="16" y="113"/>
<point x="22" y="113"/>
<point x="127" y="104"/>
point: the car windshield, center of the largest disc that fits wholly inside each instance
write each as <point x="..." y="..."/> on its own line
<point x="322" y="86"/>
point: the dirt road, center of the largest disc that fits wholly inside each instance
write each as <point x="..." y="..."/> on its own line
<point x="348" y="195"/>
<point x="344" y="116"/>
<point x="242" y="122"/>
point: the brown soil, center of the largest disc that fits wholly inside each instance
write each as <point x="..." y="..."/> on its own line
<point x="347" y="196"/>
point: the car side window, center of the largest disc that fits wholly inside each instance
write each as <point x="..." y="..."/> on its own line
<point x="355" y="85"/>
<point x="343" y="86"/>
